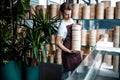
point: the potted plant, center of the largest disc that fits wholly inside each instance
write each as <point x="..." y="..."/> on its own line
<point x="36" y="38"/>
<point x="10" y="45"/>
<point x="38" y="35"/>
<point x="9" y="53"/>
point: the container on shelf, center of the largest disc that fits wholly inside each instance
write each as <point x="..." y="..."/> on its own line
<point x="81" y="10"/>
<point x="92" y="37"/>
<point x="92" y="11"/>
<point x="76" y="37"/>
<point x="100" y="11"/>
<point x="86" y="12"/>
<point x="32" y="11"/>
<point x="116" y="44"/>
<point x="107" y="3"/>
<point x="38" y="7"/>
<point x="75" y="11"/>
<point x="118" y="4"/>
<point x="117" y="12"/>
<point x="116" y="36"/>
<point x="53" y="10"/>
<point x="110" y="35"/>
<point x="109" y="13"/>
<point x="83" y="37"/>
<point x="100" y="34"/>
<point x="58" y="56"/>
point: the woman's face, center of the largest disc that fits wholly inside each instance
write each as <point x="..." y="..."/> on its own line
<point x="67" y="14"/>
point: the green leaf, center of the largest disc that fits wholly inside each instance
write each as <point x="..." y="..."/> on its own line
<point x="26" y="4"/>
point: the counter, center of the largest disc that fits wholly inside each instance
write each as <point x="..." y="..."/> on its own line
<point x="94" y="68"/>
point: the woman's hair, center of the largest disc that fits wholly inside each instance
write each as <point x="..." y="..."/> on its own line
<point x="65" y="6"/>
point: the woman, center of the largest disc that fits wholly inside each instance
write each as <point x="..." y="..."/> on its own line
<point x="70" y="58"/>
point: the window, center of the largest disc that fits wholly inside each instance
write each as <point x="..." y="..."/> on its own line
<point x="38" y="2"/>
<point x="55" y="1"/>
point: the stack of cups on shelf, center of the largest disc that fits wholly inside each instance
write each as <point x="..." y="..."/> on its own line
<point x="75" y="11"/>
<point x="92" y="11"/>
<point x="53" y="10"/>
<point x="100" y="11"/>
<point x="84" y="37"/>
<point x="106" y="3"/>
<point x="110" y="35"/>
<point x="32" y="11"/>
<point x="92" y="37"/>
<point x="117" y="10"/>
<point x="86" y="12"/>
<point x="100" y="34"/>
<point x="109" y="13"/>
<point x="76" y="37"/>
<point x="116" y="44"/>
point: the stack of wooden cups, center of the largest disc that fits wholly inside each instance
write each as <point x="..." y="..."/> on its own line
<point x="76" y="37"/>
<point x="53" y="10"/>
<point x="100" y="34"/>
<point x="100" y="11"/>
<point x="84" y="37"/>
<point x="117" y="10"/>
<point x="106" y="3"/>
<point x="53" y="42"/>
<point x="110" y="35"/>
<point x="118" y="4"/>
<point x="92" y="11"/>
<point x="52" y="49"/>
<point x="86" y="12"/>
<point x="109" y="13"/>
<point x="75" y="11"/>
<point x="38" y="7"/>
<point x="116" y="44"/>
<point x="116" y="36"/>
<point x="81" y="10"/>
<point x="58" y="55"/>
<point x="92" y="37"/>
<point x="32" y="11"/>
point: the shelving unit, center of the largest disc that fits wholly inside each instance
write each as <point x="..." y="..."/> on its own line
<point x="104" y="23"/>
<point x="108" y="23"/>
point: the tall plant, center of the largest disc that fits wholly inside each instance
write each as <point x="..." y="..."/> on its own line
<point x="6" y="41"/>
<point x="40" y="34"/>
<point x="11" y="11"/>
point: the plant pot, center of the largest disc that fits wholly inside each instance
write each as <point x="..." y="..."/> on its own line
<point x="32" y="73"/>
<point x="50" y="71"/>
<point x="11" y="71"/>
